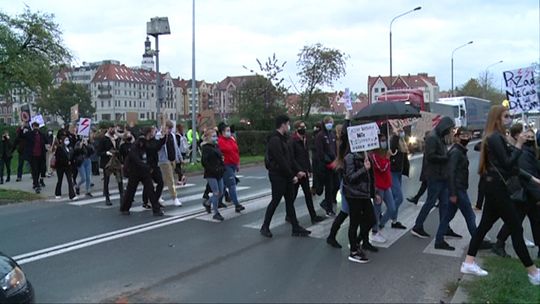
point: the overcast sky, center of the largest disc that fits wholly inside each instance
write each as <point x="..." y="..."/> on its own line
<point x="233" y="33"/>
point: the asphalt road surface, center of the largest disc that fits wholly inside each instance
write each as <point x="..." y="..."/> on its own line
<point x="85" y="251"/>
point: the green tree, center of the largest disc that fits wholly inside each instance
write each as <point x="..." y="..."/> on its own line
<point x="319" y="66"/>
<point x="259" y="101"/>
<point x="60" y="100"/>
<point x="30" y="46"/>
<point x="482" y="87"/>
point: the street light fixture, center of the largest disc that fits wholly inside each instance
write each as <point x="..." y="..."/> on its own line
<point x="461" y="46"/>
<point x="400" y="15"/>
<point x="158" y="26"/>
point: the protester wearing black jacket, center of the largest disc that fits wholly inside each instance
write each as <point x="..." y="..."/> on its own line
<point x="35" y="152"/>
<point x="283" y="176"/>
<point x="20" y="146"/>
<point x="325" y="146"/>
<point x="436" y="155"/>
<point x="110" y="163"/>
<point x="458" y="183"/>
<point x="6" y="148"/>
<point x="298" y="146"/>
<point x="214" y="169"/>
<point x="423" y="187"/>
<point x="399" y="165"/>
<point x="64" y="160"/>
<point x="138" y="171"/>
<point x="481" y="184"/>
<point x="152" y="148"/>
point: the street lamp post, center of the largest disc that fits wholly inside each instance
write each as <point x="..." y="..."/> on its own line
<point x="193" y="86"/>
<point x="452" y="64"/>
<point x="158" y="26"/>
<point x="486" y="77"/>
<point x="400" y="15"/>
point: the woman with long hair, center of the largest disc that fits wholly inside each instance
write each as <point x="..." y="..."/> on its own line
<point x="399" y="166"/>
<point x="214" y="169"/>
<point x="498" y="163"/>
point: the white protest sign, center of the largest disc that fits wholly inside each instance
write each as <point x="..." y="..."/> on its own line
<point x="363" y="137"/>
<point x="39" y="119"/>
<point x="347" y="97"/>
<point x="84" y="127"/>
<point x="521" y="90"/>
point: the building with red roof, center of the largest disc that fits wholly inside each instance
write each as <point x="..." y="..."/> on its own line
<point x="380" y="84"/>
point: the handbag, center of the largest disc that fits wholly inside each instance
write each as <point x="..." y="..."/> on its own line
<point x="514" y="187"/>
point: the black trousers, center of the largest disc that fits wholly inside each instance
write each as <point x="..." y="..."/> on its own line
<point x="281" y="187"/>
<point x="529" y="209"/>
<point x="106" y="180"/>
<point x="60" y="172"/>
<point x="157" y="178"/>
<point x="95" y="168"/>
<point x="331" y="187"/>
<point x="421" y="191"/>
<point x="133" y="182"/>
<point x="481" y="192"/>
<point x="5" y="162"/>
<point x="361" y="214"/>
<point x="498" y="205"/>
<point x="20" y="166"/>
<point x="36" y="163"/>
<point x="304" y="183"/>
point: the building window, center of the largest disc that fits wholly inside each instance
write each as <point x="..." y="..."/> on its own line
<point x="382" y="90"/>
<point x="102" y="104"/>
<point x="125" y="104"/>
<point x="376" y="90"/>
<point x="109" y="103"/>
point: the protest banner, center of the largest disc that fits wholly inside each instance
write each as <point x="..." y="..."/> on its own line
<point x="363" y="137"/>
<point x="39" y="119"/>
<point x="521" y="90"/>
<point x="25" y="113"/>
<point x="84" y="127"/>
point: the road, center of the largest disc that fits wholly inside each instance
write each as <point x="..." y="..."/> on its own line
<point x="86" y="252"/>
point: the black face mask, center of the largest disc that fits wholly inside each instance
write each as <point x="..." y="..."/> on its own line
<point x="302" y="131"/>
<point x="129" y="139"/>
<point x="445" y="132"/>
<point x="529" y="143"/>
<point x="464" y="142"/>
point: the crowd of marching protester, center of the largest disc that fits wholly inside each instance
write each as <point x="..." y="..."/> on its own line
<point x="321" y="163"/>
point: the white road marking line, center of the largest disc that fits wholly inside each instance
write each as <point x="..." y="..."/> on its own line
<point x="407" y="216"/>
<point x="279" y="216"/>
<point x="229" y="213"/>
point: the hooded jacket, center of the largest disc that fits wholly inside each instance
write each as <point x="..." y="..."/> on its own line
<point x="278" y="156"/>
<point x="436" y="152"/>
<point x="358" y="182"/>
<point x="325" y="146"/>
<point x="212" y="161"/>
<point x="229" y="148"/>
<point x="300" y="152"/>
<point x="458" y="169"/>
<point x="163" y="153"/>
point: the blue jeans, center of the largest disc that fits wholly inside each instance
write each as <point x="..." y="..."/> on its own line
<point x="344" y="203"/>
<point x="464" y="205"/>
<point x="85" y="172"/>
<point x="217" y="192"/>
<point x="229" y="180"/>
<point x="437" y="190"/>
<point x="396" y="190"/>
<point x="388" y="199"/>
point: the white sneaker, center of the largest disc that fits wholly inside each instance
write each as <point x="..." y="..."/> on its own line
<point x="177" y="202"/>
<point x="535" y="279"/>
<point x="473" y="269"/>
<point x="75" y="198"/>
<point x="378" y="238"/>
<point x="58" y="197"/>
<point x="529" y="243"/>
<point x="161" y="201"/>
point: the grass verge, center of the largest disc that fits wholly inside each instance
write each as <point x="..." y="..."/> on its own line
<point x="244" y="160"/>
<point x="507" y="282"/>
<point x="13" y="196"/>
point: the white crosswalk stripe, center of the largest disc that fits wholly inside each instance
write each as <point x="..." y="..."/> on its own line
<point x="407" y="216"/>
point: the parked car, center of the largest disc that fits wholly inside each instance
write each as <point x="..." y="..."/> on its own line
<point x="14" y="288"/>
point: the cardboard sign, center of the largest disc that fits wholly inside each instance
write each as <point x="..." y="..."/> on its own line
<point x="132" y="118"/>
<point x="427" y="122"/>
<point x="363" y="137"/>
<point x="206" y="119"/>
<point x="521" y="90"/>
<point x="75" y="112"/>
<point x="402" y="123"/>
<point x="39" y="119"/>
<point x="84" y="127"/>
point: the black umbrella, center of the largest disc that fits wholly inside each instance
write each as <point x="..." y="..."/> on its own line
<point x="386" y="110"/>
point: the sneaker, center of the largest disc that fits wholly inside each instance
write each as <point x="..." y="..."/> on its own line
<point x="75" y="198"/>
<point x="42" y="183"/>
<point x="108" y="202"/>
<point x="58" y="197"/>
<point x="420" y="233"/>
<point x="412" y="200"/>
<point x="500" y="251"/>
<point x="218" y="217"/>
<point x="473" y="269"/>
<point x="222" y="205"/>
<point x="444" y="246"/>
<point x="239" y="208"/>
<point x="205" y="196"/>
<point x="451" y="233"/>
<point x="18" y="179"/>
<point x="38" y="190"/>
<point x="89" y="194"/>
<point x="330" y="213"/>
<point x="378" y="238"/>
<point x="161" y="201"/>
<point x="332" y="242"/>
<point x="398" y="225"/>
<point x="529" y="243"/>
<point x="146" y="206"/>
<point x="177" y="202"/>
<point x="301" y="232"/>
<point x="207" y="207"/>
<point x="77" y="190"/>
<point x="535" y="278"/>
<point x="317" y="219"/>
<point x="358" y="257"/>
<point x="367" y="246"/>
<point x="158" y="213"/>
<point x="265" y="232"/>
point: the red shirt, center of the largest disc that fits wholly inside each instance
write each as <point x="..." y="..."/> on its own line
<point x="230" y="151"/>
<point x="381" y="169"/>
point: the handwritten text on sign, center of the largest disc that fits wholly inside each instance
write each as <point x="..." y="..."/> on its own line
<point x="363" y="137"/>
<point x="521" y="90"/>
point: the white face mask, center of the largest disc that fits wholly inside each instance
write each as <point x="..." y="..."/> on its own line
<point x="227" y="134"/>
<point x="66" y="142"/>
<point x="329" y="126"/>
